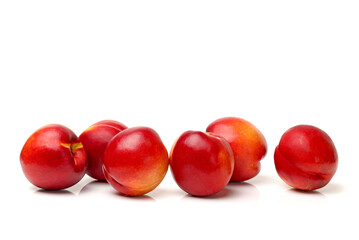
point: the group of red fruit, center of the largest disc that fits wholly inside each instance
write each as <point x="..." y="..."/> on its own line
<point x="135" y="161"/>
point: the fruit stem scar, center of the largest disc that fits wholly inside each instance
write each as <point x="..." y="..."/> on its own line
<point x="76" y="146"/>
<point x="73" y="147"/>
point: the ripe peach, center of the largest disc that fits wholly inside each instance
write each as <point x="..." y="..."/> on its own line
<point x="247" y="142"/>
<point x="306" y="158"/>
<point x="201" y="163"/>
<point x="95" y="139"/>
<point x="53" y="158"/>
<point x="135" y="161"/>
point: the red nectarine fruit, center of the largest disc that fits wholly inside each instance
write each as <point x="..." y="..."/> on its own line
<point x="135" y="161"/>
<point x="95" y="139"/>
<point x="201" y="163"/>
<point x="53" y="158"/>
<point x="306" y="157"/>
<point x="247" y="142"/>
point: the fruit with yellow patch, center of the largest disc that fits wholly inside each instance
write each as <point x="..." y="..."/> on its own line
<point x="135" y="161"/>
<point x="247" y="142"/>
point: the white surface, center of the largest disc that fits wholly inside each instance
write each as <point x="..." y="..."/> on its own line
<point x="176" y="66"/>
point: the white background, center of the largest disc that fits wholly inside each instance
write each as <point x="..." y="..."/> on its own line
<point x="177" y="66"/>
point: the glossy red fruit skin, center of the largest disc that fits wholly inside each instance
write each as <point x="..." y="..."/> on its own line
<point x="112" y="123"/>
<point x="247" y="142"/>
<point x="53" y="158"/>
<point x="135" y="161"/>
<point x="306" y="158"/>
<point x="95" y="139"/>
<point x="201" y="163"/>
